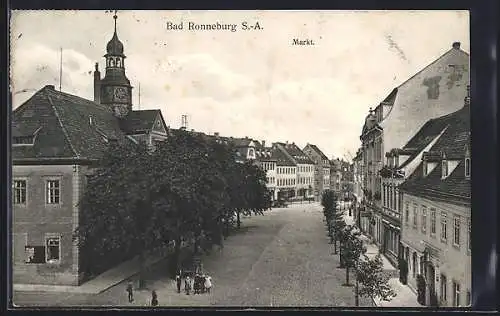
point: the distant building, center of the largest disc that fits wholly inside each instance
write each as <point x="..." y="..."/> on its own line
<point x="304" y="187"/>
<point x="336" y="177"/>
<point x="57" y="139"/>
<point x="321" y="170"/>
<point x="268" y="163"/>
<point x="436" y="234"/>
<point x="286" y="174"/>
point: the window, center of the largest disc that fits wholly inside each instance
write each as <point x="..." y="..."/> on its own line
<point x="456" y="230"/>
<point x="19" y="192"/>
<point x="467" y="167"/>
<point x="424" y="219"/>
<point x="35" y="254"/>
<point x="53" y="249"/>
<point x="407" y="213"/>
<point x="415" y="213"/>
<point x="468" y="236"/>
<point x="433" y="221"/>
<point x="53" y="192"/>
<point x="443" y="288"/>
<point x="468" y="299"/>
<point x="444" y="166"/>
<point x="444" y="234"/>
<point x="456" y="294"/>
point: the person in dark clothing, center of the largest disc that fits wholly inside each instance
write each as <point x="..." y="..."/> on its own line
<point x="154" y="298"/>
<point x="187" y="284"/>
<point x="178" y="280"/>
<point x="197" y="284"/>
<point x="130" y="291"/>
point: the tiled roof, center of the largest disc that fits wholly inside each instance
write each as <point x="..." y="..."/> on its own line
<point x="298" y="155"/>
<point x="281" y="158"/>
<point x="318" y="151"/>
<point x="452" y="143"/>
<point x="71" y="127"/>
<point x="137" y="122"/>
<point x="431" y="129"/>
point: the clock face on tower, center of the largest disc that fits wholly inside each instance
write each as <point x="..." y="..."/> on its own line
<point x="120" y="94"/>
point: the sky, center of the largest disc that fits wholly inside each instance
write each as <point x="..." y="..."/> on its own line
<point x="254" y="82"/>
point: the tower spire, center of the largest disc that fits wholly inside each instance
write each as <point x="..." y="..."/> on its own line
<point x="115" y="17"/>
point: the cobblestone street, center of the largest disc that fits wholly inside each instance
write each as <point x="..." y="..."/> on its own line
<point x="280" y="259"/>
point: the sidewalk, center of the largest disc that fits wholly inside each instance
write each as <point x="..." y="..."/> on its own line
<point x="405" y="297"/>
<point x="101" y="282"/>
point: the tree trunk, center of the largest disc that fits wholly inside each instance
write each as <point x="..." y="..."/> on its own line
<point x="335" y="246"/>
<point x="142" y="270"/>
<point x="341" y="257"/>
<point x="238" y="221"/>
<point x="347" y="275"/>
<point x="356" y="293"/>
<point x="177" y="255"/>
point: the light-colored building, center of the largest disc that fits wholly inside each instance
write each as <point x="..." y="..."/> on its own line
<point x="57" y="140"/>
<point x="268" y="163"/>
<point x="321" y="170"/>
<point x="437" y="213"/>
<point x="286" y="174"/>
<point x="436" y="90"/>
<point x="304" y="187"/>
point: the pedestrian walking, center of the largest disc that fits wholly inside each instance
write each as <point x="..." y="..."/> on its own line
<point x="130" y="290"/>
<point x="154" y="298"/>
<point x="178" y="280"/>
<point x="208" y="283"/>
<point x="187" y="284"/>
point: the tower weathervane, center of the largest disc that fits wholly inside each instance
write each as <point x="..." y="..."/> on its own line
<point x="115" y="17"/>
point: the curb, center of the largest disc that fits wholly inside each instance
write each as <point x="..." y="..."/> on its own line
<point x="80" y="289"/>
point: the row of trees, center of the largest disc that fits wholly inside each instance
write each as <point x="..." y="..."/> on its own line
<point x="370" y="279"/>
<point x="188" y="190"/>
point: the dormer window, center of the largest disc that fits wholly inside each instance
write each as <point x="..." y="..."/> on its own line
<point x="467" y="167"/>
<point x="444" y="168"/>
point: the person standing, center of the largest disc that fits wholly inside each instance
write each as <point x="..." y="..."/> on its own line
<point x="178" y="280"/>
<point x="154" y="298"/>
<point x="187" y="284"/>
<point x="130" y="290"/>
<point x="208" y="283"/>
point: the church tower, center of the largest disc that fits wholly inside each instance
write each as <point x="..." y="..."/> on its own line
<point x="114" y="89"/>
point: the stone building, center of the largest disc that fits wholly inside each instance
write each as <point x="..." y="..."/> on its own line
<point x="436" y="90"/>
<point x="286" y="174"/>
<point x="436" y="217"/>
<point x="321" y="170"/>
<point x="57" y="139"/>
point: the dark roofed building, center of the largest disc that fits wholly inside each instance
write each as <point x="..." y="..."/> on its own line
<point x="57" y="139"/>
<point x="321" y="169"/>
<point x="436" y="234"/>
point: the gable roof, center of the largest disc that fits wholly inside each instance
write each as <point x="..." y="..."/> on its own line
<point x="318" y="151"/>
<point x="71" y="127"/>
<point x="453" y="141"/>
<point x="137" y="122"/>
<point x="296" y="153"/>
<point x="281" y="158"/>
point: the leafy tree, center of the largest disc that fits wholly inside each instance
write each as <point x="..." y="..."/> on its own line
<point x="352" y="249"/>
<point x="371" y="281"/>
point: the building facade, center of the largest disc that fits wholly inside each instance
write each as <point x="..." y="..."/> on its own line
<point x="286" y="174"/>
<point x="336" y="177"/>
<point x="321" y="170"/>
<point x="436" y="240"/>
<point x="268" y="163"/>
<point x="57" y="139"/>
<point x="304" y="183"/>
<point x="436" y="90"/>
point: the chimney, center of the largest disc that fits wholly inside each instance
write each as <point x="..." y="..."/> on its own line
<point x="264" y="144"/>
<point x="456" y="45"/>
<point x="97" y="84"/>
<point x="50" y="86"/>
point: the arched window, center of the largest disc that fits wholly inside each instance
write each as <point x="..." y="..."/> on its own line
<point x="111" y="62"/>
<point x="118" y="62"/>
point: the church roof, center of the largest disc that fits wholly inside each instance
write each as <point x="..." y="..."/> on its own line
<point x="70" y="127"/>
<point x="114" y="46"/>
